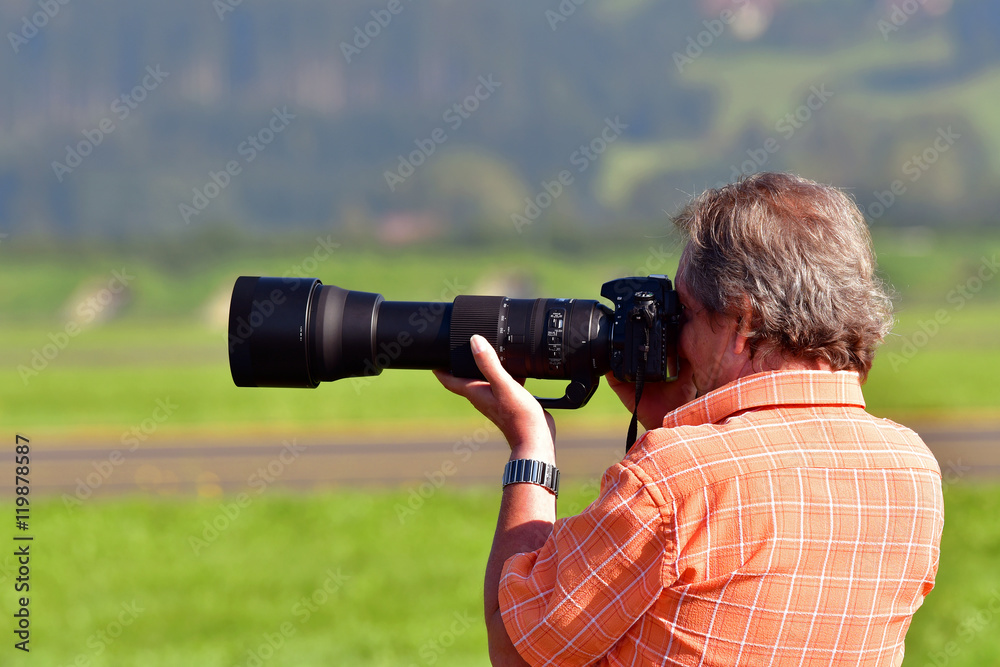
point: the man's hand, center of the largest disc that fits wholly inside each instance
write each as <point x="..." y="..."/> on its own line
<point x="530" y="430"/>
<point x="658" y="398"/>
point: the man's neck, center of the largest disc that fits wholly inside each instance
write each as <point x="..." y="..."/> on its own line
<point x="778" y="362"/>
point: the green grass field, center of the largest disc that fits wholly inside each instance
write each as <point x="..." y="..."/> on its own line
<point x="337" y="579"/>
<point x="937" y="365"/>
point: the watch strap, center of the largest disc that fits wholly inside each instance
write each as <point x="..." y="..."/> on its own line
<point x="531" y="471"/>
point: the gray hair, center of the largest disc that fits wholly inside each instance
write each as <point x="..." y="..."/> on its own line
<point x="800" y="256"/>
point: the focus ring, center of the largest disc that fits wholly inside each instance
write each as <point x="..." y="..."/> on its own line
<point x="472" y="315"/>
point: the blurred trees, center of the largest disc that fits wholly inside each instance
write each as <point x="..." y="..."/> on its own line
<point x="368" y="81"/>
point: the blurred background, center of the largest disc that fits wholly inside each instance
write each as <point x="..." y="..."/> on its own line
<point x="152" y="152"/>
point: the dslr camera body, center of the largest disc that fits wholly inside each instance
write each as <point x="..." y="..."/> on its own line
<point x="645" y="329"/>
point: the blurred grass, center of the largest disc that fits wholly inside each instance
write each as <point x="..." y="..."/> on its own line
<point x="401" y="583"/>
<point x="109" y="376"/>
<point x="380" y="590"/>
<point x="958" y="622"/>
<point x="951" y="375"/>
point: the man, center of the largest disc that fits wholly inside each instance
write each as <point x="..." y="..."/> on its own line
<point x="764" y="518"/>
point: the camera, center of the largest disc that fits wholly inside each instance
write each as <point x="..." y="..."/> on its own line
<point x="298" y="332"/>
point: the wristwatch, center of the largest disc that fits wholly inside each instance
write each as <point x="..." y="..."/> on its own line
<point x="532" y="472"/>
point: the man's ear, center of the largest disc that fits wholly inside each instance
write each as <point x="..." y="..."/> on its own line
<point x="741" y="335"/>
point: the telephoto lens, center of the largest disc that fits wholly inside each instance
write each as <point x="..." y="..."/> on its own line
<point x="297" y="332"/>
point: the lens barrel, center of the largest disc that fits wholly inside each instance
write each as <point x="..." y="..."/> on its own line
<point x="297" y="332"/>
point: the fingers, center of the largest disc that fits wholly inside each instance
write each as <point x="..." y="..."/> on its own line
<point x="504" y="401"/>
<point x="498" y="386"/>
<point x="474" y="390"/>
<point x="489" y="365"/>
<point x="452" y="383"/>
<point x="488" y="361"/>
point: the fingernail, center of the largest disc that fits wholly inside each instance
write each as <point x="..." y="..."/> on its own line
<point x="478" y="343"/>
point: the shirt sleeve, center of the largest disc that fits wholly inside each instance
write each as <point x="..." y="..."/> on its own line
<point x="572" y="600"/>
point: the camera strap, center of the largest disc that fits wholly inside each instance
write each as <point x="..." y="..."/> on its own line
<point x="640" y="378"/>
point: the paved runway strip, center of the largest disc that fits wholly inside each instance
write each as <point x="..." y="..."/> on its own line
<point x="214" y="467"/>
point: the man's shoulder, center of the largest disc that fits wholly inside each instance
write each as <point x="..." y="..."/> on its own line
<point x="778" y="438"/>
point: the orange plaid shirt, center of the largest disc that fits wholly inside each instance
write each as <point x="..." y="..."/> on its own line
<point x="770" y="522"/>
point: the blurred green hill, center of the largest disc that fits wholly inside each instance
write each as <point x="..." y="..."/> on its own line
<point x="857" y="93"/>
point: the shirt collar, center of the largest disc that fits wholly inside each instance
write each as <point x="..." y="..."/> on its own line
<point x="770" y="389"/>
